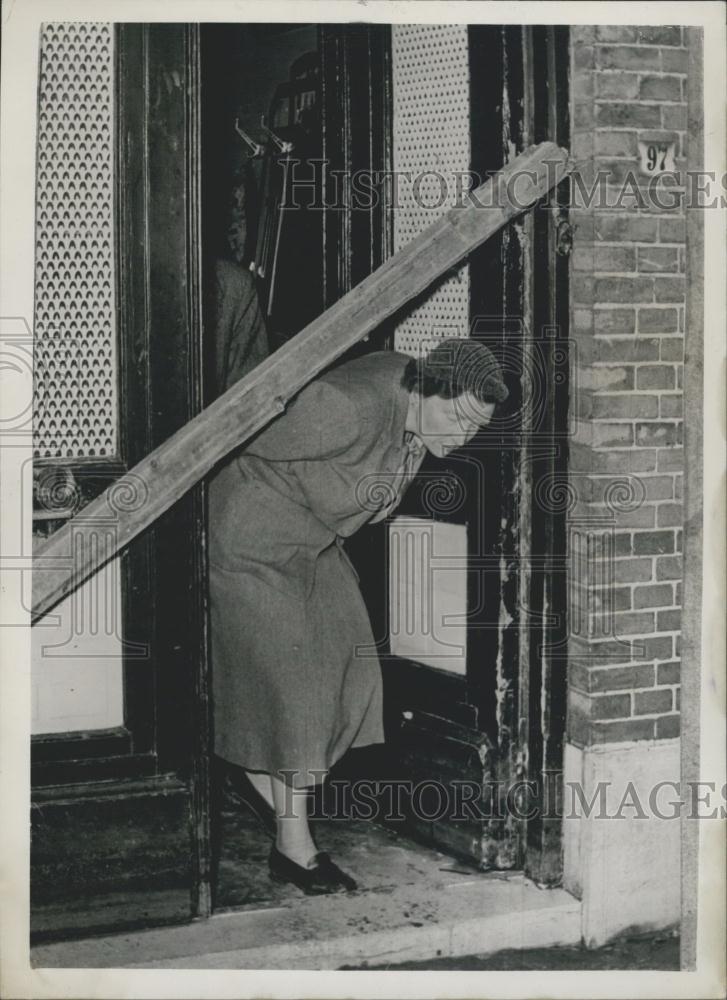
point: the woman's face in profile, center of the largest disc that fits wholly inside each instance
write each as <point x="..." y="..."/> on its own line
<point x="446" y="424"/>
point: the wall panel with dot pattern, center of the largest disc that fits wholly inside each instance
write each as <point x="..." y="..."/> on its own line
<point x="431" y="142"/>
<point x="75" y="330"/>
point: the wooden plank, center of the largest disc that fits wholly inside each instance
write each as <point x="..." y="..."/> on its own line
<point x="134" y="502"/>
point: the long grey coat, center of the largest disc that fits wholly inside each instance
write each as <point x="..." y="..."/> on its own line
<point x="296" y="678"/>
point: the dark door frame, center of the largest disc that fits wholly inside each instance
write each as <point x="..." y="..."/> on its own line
<point x="506" y="720"/>
<point x="121" y="818"/>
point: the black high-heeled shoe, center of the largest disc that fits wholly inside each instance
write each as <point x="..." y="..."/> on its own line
<point x="324" y="877"/>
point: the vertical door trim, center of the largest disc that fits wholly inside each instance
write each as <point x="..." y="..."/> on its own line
<point x="545" y="466"/>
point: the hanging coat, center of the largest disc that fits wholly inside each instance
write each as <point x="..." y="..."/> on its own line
<point x="296" y="678"/>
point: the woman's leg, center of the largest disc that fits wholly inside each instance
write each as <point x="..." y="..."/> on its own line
<point x="293" y="838"/>
<point x="295" y="848"/>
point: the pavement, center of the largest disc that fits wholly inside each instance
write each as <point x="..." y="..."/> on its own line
<point x="651" y="953"/>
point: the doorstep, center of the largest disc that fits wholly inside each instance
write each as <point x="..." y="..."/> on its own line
<point x="465" y="916"/>
<point x="413" y="903"/>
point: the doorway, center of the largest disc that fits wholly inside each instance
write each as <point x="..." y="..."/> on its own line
<point x="318" y="103"/>
<point x="121" y="813"/>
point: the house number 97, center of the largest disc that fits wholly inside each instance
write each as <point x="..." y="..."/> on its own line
<point x="656" y="157"/>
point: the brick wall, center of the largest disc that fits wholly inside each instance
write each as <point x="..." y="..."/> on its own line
<point x="628" y="303"/>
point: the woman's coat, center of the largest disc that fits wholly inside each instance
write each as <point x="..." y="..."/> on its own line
<point x="296" y="678"/>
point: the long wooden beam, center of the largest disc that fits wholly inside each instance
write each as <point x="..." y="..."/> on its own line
<point x="136" y="500"/>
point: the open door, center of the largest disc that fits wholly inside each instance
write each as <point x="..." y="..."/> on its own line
<point x="120" y="817"/>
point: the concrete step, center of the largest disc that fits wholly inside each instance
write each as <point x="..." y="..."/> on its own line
<point x="480" y="913"/>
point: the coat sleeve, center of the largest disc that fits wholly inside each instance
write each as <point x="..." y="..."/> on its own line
<point x="240" y="336"/>
<point x="321" y="422"/>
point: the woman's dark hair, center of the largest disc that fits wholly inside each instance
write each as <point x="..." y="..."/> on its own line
<point x="456" y="366"/>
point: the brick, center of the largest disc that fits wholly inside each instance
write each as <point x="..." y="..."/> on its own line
<point x="669" y="568"/>
<point x="674" y="60"/>
<point x="662" y="196"/>
<point x="678" y="595"/>
<point x="671" y="289"/>
<point x="673" y="116"/>
<point x="670" y="515"/>
<point x="611" y="706"/>
<point x="667" y="727"/>
<point x="622" y="732"/>
<point x="614" y="320"/>
<point x="578" y="721"/>
<point x="672" y="230"/>
<point x="658" y="487"/>
<point x="607" y="598"/>
<point x="584" y="224"/>
<point x="583" y="56"/>
<point x="622" y="678"/>
<point x="652" y="543"/>
<point x="593" y="488"/>
<point x="579" y="677"/>
<point x="656" y="648"/>
<point x="642" y="516"/>
<point x="579" y="730"/>
<point x="628" y="289"/>
<point x="669" y="621"/>
<point x="583" y="259"/>
<point x="657" y="595"/>
<point x="633" y="115"/>
<point x="671" y="405"/>
<point x="658" y="259"/>
<point x="612" y="435"/>
<point x="622" y="462"/>
<point x="615" y="33"/>
<point x="627" y="57"/>
<point x="678" y="487"/>
<point x="619" y="172"/>
<point x="616" y="259"/>
<point x="628" y="405"/>
<point x="632" y="570"/>
<point x="621" y="227"/>
<point x="583" y="116"/>
<point x="615" y="143"/>
<point x="664" y="320"/>
<point x="641" y="349"/>
<point x="633" y="622"/>
<point x="596" y="653"/>
<point x="621" y="86"/>
<point x="656" y="377"/>
<point x="660" y="88"/>
<point x="668" y="673"/>
<point x="621" y="543"/>
<point x="583" y="320"/>
<point x="582" y="84"/>
<point x="605" y="378"/>
<point x="581" y="288"/>
<point x="660" y="35"/>
<point x="670" y="460"/>
<point x="677" y="645"/>
<point x="672" y="349"/>
<point x="652" y="702"/>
